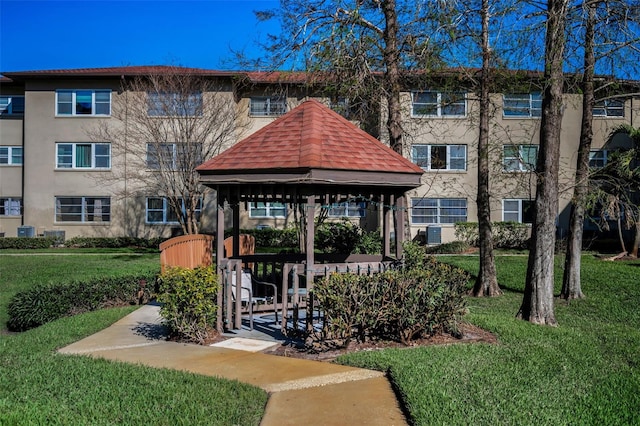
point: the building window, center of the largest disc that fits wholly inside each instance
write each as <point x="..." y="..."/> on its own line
<point x="174" y="104"/>
<point x="436" y="104"/>
<point x="11" y="105"/>
<point x="83" y="155"/>
<point x="10" y="155"/>
<point x="83" y="209"/>
<point x="174" y="156"/>
<point x="267" y="210"/>
<point x="10" y="206"/>
<point x="609" y="108"/>
<point x="341" y="106"/>
<point x="159" y="210"/>
<point x="83" y="102"/>
<point x="598" y="158"/>
<point x="348" y="209"/>
<point x="515" y="210"/>
<point x="522" y="105"/>
<point x="440" y="157"/>
<point x="438" y="210"/>
<point x="267" y="106"/>
<point x="519" y="158"/>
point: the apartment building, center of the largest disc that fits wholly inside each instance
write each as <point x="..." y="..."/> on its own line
<point x="55" y="176"/>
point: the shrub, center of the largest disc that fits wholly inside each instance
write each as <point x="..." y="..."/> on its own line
<point x="26" y="243"/>
<point x="114" y="242"/>
<point x="401" y="305"/>
<point x="467" y="232"/>
<point x="48" y="302"/>
<point x="369" y="243"/>
<point x="337" y="237"/>
<point x="189" y="298"/>
<point x="509" y="235"/>
<point x="454" y="247"/>
<point x="271" y="237"/>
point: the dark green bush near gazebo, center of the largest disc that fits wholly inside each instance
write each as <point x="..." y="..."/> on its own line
<point x="49" y="302"/>
<point x="402" y="305"/>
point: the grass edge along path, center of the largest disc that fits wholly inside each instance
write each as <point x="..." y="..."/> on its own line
<point x="586" y="371"/>
<point x="39" y="386"/>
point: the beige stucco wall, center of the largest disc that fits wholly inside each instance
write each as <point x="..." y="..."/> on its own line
<point x="10" y="175"/>
<point x="503" y="131"/>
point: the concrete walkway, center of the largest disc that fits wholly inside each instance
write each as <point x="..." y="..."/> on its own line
<point x="301" y="392"/>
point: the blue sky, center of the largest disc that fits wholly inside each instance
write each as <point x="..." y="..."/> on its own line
<point x="53" y="34"/>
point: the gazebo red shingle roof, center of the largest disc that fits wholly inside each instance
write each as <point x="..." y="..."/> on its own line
<point x="311" y="136"/>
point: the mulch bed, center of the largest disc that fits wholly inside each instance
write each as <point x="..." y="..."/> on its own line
<point x="470" y="334"/>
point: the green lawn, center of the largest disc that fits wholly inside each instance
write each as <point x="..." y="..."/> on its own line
<point x="38" y="386"/>
<point x="585" y="371"/>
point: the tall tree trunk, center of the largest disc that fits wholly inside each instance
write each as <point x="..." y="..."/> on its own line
<point x="571" y="286"/>
<point x="537" y="302"/>
<point x="487" y="281"/>
<point x="636" y="241"/>
<point x="392" y="75"/>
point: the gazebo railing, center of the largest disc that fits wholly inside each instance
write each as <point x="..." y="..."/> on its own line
<point x="288" y="271"/>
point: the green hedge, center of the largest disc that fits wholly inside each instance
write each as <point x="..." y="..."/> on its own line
<point x="400" y="305"/>
<point x="114" y="242"/>
<point x="26" y="243"/>
<point x="510" y="235"/>
<point x="270" y="237"/>
<point x="48" y="302"/>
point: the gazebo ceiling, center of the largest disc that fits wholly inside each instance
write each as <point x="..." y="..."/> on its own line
<point x="311" y="150"/>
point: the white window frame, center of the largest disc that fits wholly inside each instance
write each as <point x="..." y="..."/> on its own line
<point x="273" y="106"/>
<point x="87" y="203"/>
<point x="438" y="105"/>
<point x="268" y="207"/>
<point x="426" y="161"/>
<point x="522" y="105"/>
<point x="428" y="211"/>
<point x="73" y="165"/>
<point x="518" y="211"/>
<point x="522" y="165"/>
<point x="10" y="158"/>
<point x="348" y="209"/>
<point x="167" y="213"/>
<point x="613" y="108"/>
<point x="10" y="206"/>
<point x="165" y="104"/>
<point x="598" y="158"/>
<point x="74" y="102"/>
<point x="174" y="150"/>
<point x="9" y="106"/>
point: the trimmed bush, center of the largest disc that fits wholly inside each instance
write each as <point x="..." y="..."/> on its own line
<point x="508" y="235"/>
<point x="400" y="305"/>
<point x="49" y="302"/>
<point x="26" y="243"/>
<point x="454" y="247"/>
<point x="270" y="237"/>
<point x="114" y="242"/>
<point x="189" y="301"/>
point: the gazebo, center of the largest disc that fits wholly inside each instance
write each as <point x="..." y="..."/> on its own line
<point x="314" y="157"/>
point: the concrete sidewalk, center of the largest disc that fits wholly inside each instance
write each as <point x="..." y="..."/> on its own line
<point x="300" y="391"/>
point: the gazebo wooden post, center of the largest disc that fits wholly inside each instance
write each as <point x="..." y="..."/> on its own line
<point x="386" y="225"/>
<point x="236" y="230"/>
<point x="400" y="212"/>
<point x="219" y="257"/>
<point x="311" y="213"/>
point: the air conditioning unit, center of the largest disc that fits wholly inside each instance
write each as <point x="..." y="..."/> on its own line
<point x="26" y="231"/>
<point x="434" y="235"/>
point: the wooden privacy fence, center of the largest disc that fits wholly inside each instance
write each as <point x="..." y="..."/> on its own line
<point x="187" y="251"/>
